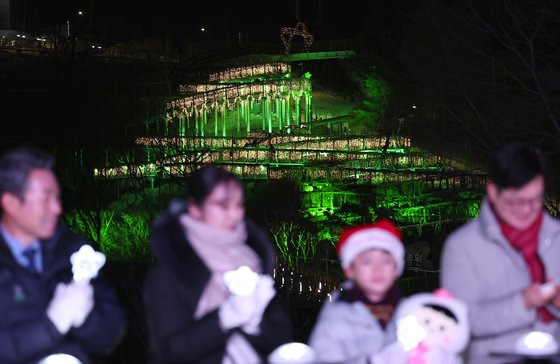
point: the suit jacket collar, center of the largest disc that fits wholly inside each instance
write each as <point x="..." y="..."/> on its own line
<point x="55" y="251"/>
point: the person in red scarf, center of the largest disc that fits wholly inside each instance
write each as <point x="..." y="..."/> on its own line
<point x="499" y="262"/>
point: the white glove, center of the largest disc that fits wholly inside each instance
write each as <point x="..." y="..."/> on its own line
<point x="82" y="298"/>
<point x="236" y="310"/>
<point x="70" y="305"/>
<point x="263" y="293"/>
<point x="409" y="332"/>
<point x="60" y="309"/>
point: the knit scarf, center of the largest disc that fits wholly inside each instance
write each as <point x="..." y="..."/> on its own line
<point x="526" y="241"/>
<point x="382" y="310"/>
<point x="222" y="250"/>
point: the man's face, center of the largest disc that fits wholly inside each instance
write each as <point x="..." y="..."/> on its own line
<point x="224" y="208"/>
<point x="518" y="207"/>
<point x="374" y="272"/>
<point x="36" y="216"/>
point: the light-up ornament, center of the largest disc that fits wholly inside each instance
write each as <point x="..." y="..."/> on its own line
<point x="241" y="281"/>
<point x="60" y="359"/>
<point x="409" y="332"/>
<point x="86" y="263"/>
<point x="286" y="34"/>
<point x="536" y="343"/>
<point x="292" y="353"/>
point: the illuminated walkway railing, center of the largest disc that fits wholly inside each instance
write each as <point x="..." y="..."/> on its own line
<point x="233" y="95"/>
<point x="251" y="71"/>
<point x="355" y="175"/>
<point x="174" y="161"/>
<point x="306" y="173"/>
<point x="302" y="157"/>
<point x="308" y="142"/>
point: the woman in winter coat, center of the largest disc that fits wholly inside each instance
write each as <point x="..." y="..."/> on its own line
<point x="193" y="316"/>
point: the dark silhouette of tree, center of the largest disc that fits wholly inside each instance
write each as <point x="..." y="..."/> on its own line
<point x="480" y="73"/>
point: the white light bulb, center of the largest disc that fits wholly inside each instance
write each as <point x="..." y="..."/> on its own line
<point x="60" y="359"/>
<point x="536" y="343"/>
<point x="292" y="353"/>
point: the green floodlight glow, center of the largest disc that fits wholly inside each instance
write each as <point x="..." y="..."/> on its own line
<point x="326" y="206"/>
<point x="378" y="94"/>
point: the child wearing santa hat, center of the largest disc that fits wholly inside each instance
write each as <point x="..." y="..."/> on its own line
<point x="356" y="323"/>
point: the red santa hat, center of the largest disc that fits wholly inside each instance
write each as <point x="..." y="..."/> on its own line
<point x="382" y="234"/>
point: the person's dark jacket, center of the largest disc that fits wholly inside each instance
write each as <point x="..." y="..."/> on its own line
<point x="26" y="333"/>
<point x="173" y="287"/>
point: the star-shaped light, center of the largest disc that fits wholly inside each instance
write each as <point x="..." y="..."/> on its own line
<point x="307" y="75"/>
<point x="286" y="34"/>
<point x="86" y="263"/>
<point x="241" y="281"/>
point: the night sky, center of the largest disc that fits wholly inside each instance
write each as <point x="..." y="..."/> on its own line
<point x="126" y="19"/>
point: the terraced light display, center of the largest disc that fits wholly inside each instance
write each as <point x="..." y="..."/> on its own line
<point x="256" y="121"/>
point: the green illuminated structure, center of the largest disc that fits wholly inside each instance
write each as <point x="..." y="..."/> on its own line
<point x="259" y="97"/>
<point x="256" y="121"/>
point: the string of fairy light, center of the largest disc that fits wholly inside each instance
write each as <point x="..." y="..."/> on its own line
<point x="278" y="69"/>
<point x="209" y="96"/>
<point x="179" y="166"/>
<point x="307" y="142"/>
<point x="287" y="34"/>
<point x="232" y="95"/>
<point x="251" y="71"/>
<point x="286" y="156"/>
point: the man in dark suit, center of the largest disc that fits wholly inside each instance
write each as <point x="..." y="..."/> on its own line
<point x="44" y="311"/>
